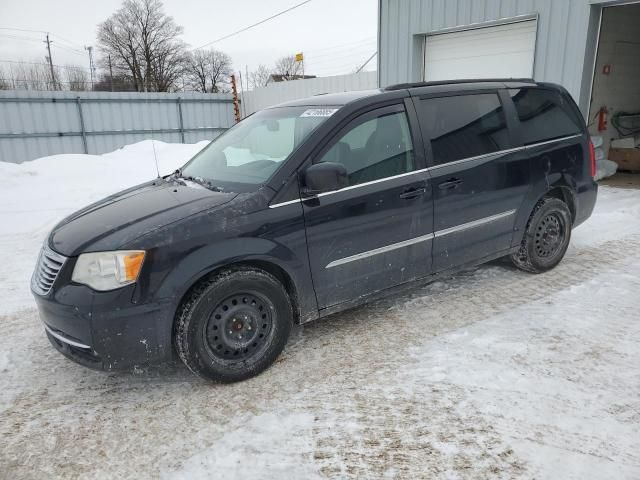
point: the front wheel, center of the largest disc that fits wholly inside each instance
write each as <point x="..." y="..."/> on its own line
<point x="546" y="238"/>
<point x="233" y="325"/>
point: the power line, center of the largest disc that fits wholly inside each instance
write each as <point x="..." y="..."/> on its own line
<point x="339" y="68"/>
<point x="22" y="30"/>
<point x="66" y="40"/>
<point x="368" y="60"/>
<point x="66" y="67"/>
<point x="342" y="45"/>
<point x="59" y="37"/>
<point x="337" y="59"/>
<point x="328" y="58"/>
<point x="16" y="37"/>
<point x="254" y="25"/>
<point x="69" y="49"/>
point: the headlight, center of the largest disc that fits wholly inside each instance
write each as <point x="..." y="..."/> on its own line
<point x="108" y="270"/>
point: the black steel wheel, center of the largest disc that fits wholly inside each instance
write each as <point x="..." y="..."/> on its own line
<point x="549" y="235"/>
<point x="546" y="238"/>
<point x="233" y="325"/>
<point x="239" y="327"/>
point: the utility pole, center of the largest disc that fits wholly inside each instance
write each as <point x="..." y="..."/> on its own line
<point x="236" y="104"/>
<point x="90" y="50"/>
<point x="110" y="73"/>
<point x="53" y="76"/>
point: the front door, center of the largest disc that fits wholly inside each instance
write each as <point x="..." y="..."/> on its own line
<point x="480" y="176"/>
<point x="376" y="232"/>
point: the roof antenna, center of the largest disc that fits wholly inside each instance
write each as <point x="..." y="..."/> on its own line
<point x="155" y="156"/>
<point x="153" y="143"/>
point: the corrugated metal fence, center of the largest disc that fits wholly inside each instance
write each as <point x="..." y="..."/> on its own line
<point x="36" y="124"/>
<point x="279" y="92"/>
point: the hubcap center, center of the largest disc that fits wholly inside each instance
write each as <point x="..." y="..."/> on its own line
<point x="237" y="324"/>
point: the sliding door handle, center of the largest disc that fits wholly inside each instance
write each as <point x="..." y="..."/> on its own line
<point x="450" y="184"/>
<point x="413" y="193"/>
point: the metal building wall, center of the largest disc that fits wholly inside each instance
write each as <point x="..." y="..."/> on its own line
<point x="564" y="47"/>
<point x="35" y="124"/>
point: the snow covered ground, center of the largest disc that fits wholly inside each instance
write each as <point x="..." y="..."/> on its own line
<point x="38" y="194"/>
<point x="493" y="373"/>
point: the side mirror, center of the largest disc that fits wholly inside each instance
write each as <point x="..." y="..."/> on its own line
<point x="324" y="177"/>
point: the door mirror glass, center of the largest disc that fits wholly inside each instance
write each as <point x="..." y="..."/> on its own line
<point x="325" y="177"/>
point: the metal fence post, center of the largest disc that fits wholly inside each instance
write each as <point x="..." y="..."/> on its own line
<point x="179" y="100"/>
<point x="84" y="133"/>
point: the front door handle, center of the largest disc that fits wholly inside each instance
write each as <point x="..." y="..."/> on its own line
<point x="450" y="184"/>
<point x="413" y="193"/>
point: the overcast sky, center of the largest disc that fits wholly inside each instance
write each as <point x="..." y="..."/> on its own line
<point x="335" y="35"/>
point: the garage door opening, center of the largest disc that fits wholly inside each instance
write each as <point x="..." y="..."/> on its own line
<point x="506" y="50"/>
<point x="614" y="113"/>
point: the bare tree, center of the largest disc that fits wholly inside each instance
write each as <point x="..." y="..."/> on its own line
<point x="117" y="83"/>
<point x="32" y="76"/>
<point x="143" y="44"/>
<point x="209" y="70"/>
<point x="5" y="83"/>
<point x="260" y="77"/>
<point x="76" y="79"/>
<point x="287" y="68"/>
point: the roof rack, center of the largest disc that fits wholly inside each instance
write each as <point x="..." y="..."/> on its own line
<point x="402" y="86"/>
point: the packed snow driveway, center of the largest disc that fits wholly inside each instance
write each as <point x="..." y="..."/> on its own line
<point x="494" y="373"/>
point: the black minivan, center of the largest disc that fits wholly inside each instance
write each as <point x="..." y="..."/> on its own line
<point x="311" y="207"/>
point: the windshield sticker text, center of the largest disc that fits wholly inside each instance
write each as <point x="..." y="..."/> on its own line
<point x="319" y="112"/>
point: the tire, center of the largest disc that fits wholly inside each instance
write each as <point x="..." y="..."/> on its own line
<point x="546" y="237"/>
<point x="233" y="325"/>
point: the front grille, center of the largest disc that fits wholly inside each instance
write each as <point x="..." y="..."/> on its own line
<point x="47" y="268"/>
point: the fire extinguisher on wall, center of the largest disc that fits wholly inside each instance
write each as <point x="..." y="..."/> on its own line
<point x="602" y="119"/>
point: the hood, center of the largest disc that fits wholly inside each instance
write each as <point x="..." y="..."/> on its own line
<point x="120" y="218"/>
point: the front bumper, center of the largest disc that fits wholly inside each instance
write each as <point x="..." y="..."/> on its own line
<point x="106" y="330"/>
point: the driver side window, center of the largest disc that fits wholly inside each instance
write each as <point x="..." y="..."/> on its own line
<point x="374" y="149"/>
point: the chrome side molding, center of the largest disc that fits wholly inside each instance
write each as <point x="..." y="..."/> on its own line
<point x="474" y="223"/>
<point x="377" y="251"/>
<point x="423" y="238"/>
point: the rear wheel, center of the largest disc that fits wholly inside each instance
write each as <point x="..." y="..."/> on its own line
<point x="233" y="325"/>
<point x="546" y="237"/>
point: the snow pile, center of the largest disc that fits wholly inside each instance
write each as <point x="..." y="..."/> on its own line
<point x="604" y="167"/>
<point x="38" y="194"/>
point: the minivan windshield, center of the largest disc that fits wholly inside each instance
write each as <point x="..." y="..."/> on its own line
<point x="251" y="151"/>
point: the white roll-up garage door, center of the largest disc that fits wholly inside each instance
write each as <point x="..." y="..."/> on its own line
<point x="499" y="51"/>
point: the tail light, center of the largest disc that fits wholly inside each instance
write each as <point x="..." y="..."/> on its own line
<point x="592" y="158"/>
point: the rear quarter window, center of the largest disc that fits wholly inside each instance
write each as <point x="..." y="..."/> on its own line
<point x="463" y="126"/>
<point x="544" y="115"/>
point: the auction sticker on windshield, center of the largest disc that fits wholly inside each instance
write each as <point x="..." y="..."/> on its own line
<point x="319" y="112"/>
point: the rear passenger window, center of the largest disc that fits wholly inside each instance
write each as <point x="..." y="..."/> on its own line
<point x="464" y="126"/>
<point x="544" y="115"/>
